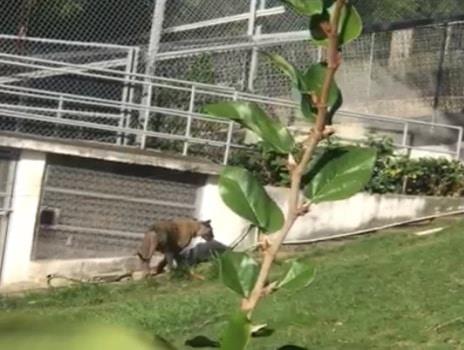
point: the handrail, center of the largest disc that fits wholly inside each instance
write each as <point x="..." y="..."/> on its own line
<point x="240" y="95"/>
<point x="99" y="102"/>
<point x="131" y="79"/>
<point x="116" y="129"/>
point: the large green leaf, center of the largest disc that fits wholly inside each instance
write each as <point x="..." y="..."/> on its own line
<point x="308" y="110"/>
<point x="251" y="116"/>
<point x="314" y="81"/>
<point x="298" y="276"/>
<point x="289" y="70"/>
<point x="334" y="108"/>
<point x="339" y="173"/>
<point x="246" y="197"/>
<point x="349" y="26"/>
<point x="237" y="333"/>
<point x="305" y="7"/>
<point x="28" y="333"/>
<point x="238" y="271"/>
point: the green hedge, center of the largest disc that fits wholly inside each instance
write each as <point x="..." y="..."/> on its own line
<point x="392" y="173"/>
<point x="422" y="176"/>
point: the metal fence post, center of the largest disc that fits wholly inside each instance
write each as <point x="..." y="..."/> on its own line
<point x="155" y="35"/>
<point x="459" y="143"/>
<point x="439" y="76"/>
<point x="246" y="73"/>
<point x="371" y="63"/>
<point x="125" y="95"/>
<point x="228" y="142"/>
<point x="255" y="52"/>
<point x="146" y="119"/>
<point x="405" y="147"/>
<point x="153" y="48"/>
<point x="59" y="114"/>
<point x="134" y="66"/>
<point x="252" y="18"/>
<point x="189" y="121"/>
<point x="404" y="142"/>
<point x="229" y="135"/>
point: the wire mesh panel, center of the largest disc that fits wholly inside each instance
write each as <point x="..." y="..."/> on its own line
<point x="38" y="63"/>
<point x="93" y="209"/>
<point x="270" y="81"/>
<point x="404" y="73"/>
<point x="224" y="68"/>
<point x="183" y="19"/>
<point x="407" y="73"/>
<point x="79" y="20"/>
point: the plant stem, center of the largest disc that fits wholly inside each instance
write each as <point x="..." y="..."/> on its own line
<point x="316" y="135"/>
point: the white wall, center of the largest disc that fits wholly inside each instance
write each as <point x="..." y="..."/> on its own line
<point x="359" y="212"/>
<point x="25" y="203"/>
<point x="227" y="225"/>
<point x="325" y="220"/>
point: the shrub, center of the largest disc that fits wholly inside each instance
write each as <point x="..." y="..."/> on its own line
<point x="393" y="173"/>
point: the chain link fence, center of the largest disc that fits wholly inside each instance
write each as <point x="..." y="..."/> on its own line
<point x="405" y="73"/>
<point x="414" y="71"/>
<point x="212" y="42"/>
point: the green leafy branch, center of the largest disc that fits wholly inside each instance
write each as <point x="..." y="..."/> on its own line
<point x="335" y="174"/>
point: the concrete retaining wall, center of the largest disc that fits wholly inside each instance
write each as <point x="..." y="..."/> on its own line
<point x="360" y="212"/>
<point x="325" y="221"/>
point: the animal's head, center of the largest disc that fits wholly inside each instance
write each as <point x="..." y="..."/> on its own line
<point x="206" y="231"/>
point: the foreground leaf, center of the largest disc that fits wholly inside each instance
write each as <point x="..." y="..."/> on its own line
<point x="35" y="334"/>
<point x="314" y="79"/>
<point x="239" y="272"/>
<point x="237" y="333"/>
<point x="308" y="110"/>
<point x="349" y="26"/>
<point x="289" y="70"/>
<point x="339" y="173"/>
<point x="246" y="197"/>
<point x="305" y="7"/>
<point x="334" y="108"/>
<point x="252" y="117"/>
<point x="298" y="276"/>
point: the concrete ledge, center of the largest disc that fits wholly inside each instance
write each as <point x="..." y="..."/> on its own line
<point x="96" y="150"/>
<point x="79" y="269"/>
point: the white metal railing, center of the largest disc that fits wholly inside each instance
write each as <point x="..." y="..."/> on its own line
<point x="123" y="108"/>
<point x="60" y="116"/>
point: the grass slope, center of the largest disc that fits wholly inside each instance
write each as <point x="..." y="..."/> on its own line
<point x="385" y="291"/>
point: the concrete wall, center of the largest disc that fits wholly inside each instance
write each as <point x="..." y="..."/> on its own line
<point x="25" y="203"/>
<point x="227" y="225"/>
<point x="360" y="212"/>
<point x="326" y="220"/>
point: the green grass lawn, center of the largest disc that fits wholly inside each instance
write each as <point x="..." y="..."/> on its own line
<point x="390" y="290"/>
